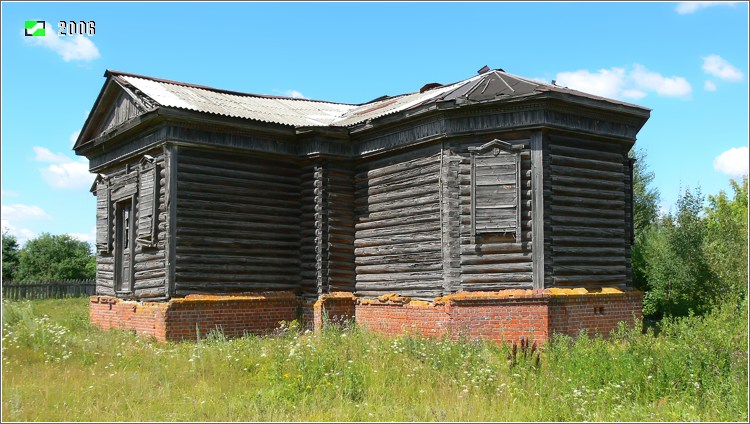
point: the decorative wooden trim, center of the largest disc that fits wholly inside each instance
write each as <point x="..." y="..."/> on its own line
<point x="496" y="146"/>
<point x="537" y="209"/>
<point x="170" y="197"/>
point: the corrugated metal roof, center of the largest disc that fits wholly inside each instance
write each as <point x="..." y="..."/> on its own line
<point x="284" y="111"/>
<point x="397" y="104"/>
<point x="488" y="86"/>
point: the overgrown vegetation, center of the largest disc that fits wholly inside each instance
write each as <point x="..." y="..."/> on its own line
<point x="693" y="258"/>
<point x="47" y="258"/>
<point x="56" y="367"/>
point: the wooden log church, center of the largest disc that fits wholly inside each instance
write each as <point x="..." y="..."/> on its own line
<point x="494" y="207"/>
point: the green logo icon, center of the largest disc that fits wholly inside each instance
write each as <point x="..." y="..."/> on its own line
<point x="35" y="28"/>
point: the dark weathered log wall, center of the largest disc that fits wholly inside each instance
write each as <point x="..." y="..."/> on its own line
<point x="149" y="269"/>
<point x="489" y="261"/>
<point x="238" y="223"/>
<point x="587" y="199"/>
<point x="398" y="243"/>
<point x="327" y="242"/>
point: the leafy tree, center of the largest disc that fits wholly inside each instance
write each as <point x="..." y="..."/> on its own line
<point x="679" y="276"/>
<point x="645" y="214"/>
<point x="55" y="257"/>
<point x="726" y="240"/>
<point x="645" y="197"/>
<point x="10" y="255"/>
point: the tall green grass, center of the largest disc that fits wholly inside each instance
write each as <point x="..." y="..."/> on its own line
<point x="57" y="367"/>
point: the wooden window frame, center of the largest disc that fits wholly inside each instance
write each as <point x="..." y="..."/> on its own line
<point x="131" y="244"/>
<point x="495" y="146"/>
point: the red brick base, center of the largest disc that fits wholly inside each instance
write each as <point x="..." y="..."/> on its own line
<point x="503" y="316"/>
<point x="196" y="315"/>
<point x="499" y="316"/>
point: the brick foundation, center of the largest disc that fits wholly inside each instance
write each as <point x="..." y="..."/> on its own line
<point x="503" y="316"/>
<point x="185" y="318"/>
<point x="499" y="316"/>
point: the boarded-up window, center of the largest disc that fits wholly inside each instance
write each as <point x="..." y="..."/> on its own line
<point x="103" y="226"/>
<point x="495" y="189"/>
<point x="148" y="208"/>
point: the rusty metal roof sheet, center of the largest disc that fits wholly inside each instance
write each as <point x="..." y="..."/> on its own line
<point x="489" y="86"/>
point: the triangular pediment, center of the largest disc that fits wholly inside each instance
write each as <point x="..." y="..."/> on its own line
<point x="116" y="105"/>
<point x="496" y="144"/>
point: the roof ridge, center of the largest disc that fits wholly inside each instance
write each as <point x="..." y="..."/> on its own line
<point x="109" y="72"/>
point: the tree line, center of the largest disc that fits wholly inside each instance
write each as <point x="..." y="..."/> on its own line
<point x="47" y="258"/>
<point x="690" y="259"/>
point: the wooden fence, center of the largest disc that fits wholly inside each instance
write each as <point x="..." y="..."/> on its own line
<point x="17" y="290"/>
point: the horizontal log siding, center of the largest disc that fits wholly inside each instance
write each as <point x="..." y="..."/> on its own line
<point x="327" y="250"/>
<point x="238" y="223"/>
<point x="150" y="270"/>
<point x="309" y="237"/>
<point x="149" y="264"/>
<point x="340" y="243"/>
<point x="397" y="243"/>
<point x="586" y="196"/>
<point x="494" y="262"/>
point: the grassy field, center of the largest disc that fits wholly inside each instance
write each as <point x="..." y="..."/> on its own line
<point x="56" y="367"/>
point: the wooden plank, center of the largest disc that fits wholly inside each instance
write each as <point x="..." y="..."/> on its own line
<point x="396" y="239"/>
<point x="538" y="207"/>
<point x="586" y="163"/>
<point x="595" y="174"/>
<point x="505" y="277"/>
<point x="587" y="221"/>
<point x="578" y="280"/>
<point x="586" y="153"/>
<point x="488" y="248"/>
<point x="496" y="258"/>
<point x="494" y="268"/>
<point x="588" y="192"/>
<point x="397" y="268"/>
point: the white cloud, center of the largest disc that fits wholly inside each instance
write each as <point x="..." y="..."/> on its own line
<point x="74" y="137"/>
<point x="733" y="162"/>
<point x="71" y="48"/>
<point x="709" y="86"/>
<point x="606" y="82"/>
<point x="8" y="193"/>
<point x="686" y="7"/>
<point x="294" y="93"/>
<point x="674" y="86"/>
<point x="20" y="211"/>
<point x="89" y="237"/>
<point x="634" y="94"/>
<point x="63" y="171"/>
<point x="718" y="67"/>
<point x="22" y="234"/>
<point x="619" y="83"/>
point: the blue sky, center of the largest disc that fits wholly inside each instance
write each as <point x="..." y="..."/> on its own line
<point x="687" y="62"/>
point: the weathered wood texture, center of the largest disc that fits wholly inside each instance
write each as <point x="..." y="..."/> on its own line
<point x="238" y="223"/>
<point x="495" y="261"/>
<point x="122" y="109"/>
<point x="327" y="240"/>
<point x="398" y="231"/>
<point x="587" y="196"/>
<point x="148" y="264"/>
<point x="451" y="218"/>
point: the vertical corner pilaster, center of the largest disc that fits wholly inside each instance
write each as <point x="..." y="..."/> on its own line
<point x="450" y="217"/>
<point x="537" y="208"/>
